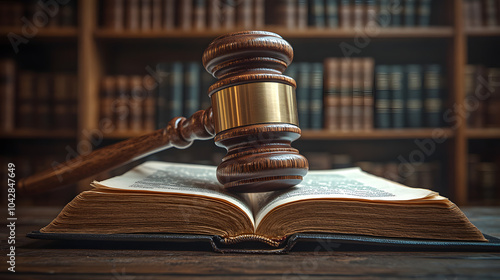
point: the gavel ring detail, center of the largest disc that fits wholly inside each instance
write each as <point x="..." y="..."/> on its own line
<point x="253" y="116"/>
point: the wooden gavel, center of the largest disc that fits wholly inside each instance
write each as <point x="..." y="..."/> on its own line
<point x="253" y="116"/>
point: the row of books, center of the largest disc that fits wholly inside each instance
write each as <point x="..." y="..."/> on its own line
<point x="33" y="100"/>
<point x="481" y="13"/>
<point x="334" y="95"/>
<point x="482" y="96"/>
<point x="351" y="13"/>
<point x="128" y="103"/>
<point x="186" y="14"/>
<point x="408" y="96"/>
<point x="38" y="13"/>
<point x="483" y="179"/>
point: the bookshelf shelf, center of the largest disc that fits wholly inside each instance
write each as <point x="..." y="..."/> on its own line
<point x="45" y="33"/>
<point x="483" y="32"/>
<point x="377" y="134"/>
<point x="42" y="134"/>
<point x="430" y="32"/>
<point x="483" y="133"/>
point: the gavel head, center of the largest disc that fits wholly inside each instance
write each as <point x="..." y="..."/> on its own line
<point x="254" y="111"/>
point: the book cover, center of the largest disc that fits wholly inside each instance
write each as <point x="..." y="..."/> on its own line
<point x="175" y="102"/>
<point x="25" y="109"/>
<point x="107" y="97"/>
<point x="163" y="71"/>
<point x="43" y="108"/>
<point x="302" y="12"/>
<point x="359" y="10"/>
<point x="146" y="15"/>
<point x="149" y="103"/>
<point x="169" y="18"/>
<point x="259" y="13"/>
<point x="244" y="11"/>
<point x="345" y="14"/>
<point x="114" y="11"/>
<point x="317" y="15"/>
<point x="156" y="14"/>
<point x="185" y="14"/>
<point x="199" y="14"/>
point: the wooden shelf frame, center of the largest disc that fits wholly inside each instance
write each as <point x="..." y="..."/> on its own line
<point x="483" y="133"/>
<point x="417" y="32"/>
<point x="56" y="32"/>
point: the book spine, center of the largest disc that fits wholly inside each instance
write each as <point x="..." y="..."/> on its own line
<point x="137" y="94"/>
<point x="121" y="109"/>
<point x="368" y="65"/>
<point x="43" y="101"/>
<point x="175" y="96"/>
<point x="192" y="88"/>
<point x="371" y="12"/>
<point x="7" y="94"/>
<point x="228" y="14"/>
<point x="358" y="13"/>
<point x="259" y="14"/>
<point x="476" y="13"/>
<point x="163" y="71"/>
<point x="133" y="15"/>
<point x="26" y="100"/>
<point x="149" y="103"/>
<point x="303" y="85"/>
<point x="409" y="13"/>
<point x="113" y="14"/>
<point x="169" y="14"/>
<point x="384" y="13"/>
<point x="332" y="13"/>
<point x="244" y="12"/>
<point x="318" y="13"/>
<point x="199" y="14"/>
<point x="302" y="11"/>
<point x="316" y="97"/>
<point x="146" y="15"/>
<point x="345" y="14"/>
<point x="332" y="96"/>
<point x="345" y="94"/>
<point x="414" y="112"/>
<point x="382" y="108"/>
<point x="493" y="104"/>
<point x="186" y="14"/>
<point x="156" y="14"/>
<point x="396" y="96"/>
<point x="286" y="13"/>
<point x="214" y="14"/>
<point x="424" y="13"/>
<point x="433" y="95"/>
<point x="467" y="14"/>
<point x="489" y="13"/>
<point x="357" y="93"/>
<point x="108" y="94"/>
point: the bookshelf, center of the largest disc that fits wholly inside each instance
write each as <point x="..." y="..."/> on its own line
<point x="102" y="51"/>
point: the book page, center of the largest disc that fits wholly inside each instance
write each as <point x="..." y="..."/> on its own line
<point x="343" y="184"/>
<point x="164" y="177"/>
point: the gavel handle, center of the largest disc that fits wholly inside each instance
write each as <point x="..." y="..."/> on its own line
<point x="180" y="133"/>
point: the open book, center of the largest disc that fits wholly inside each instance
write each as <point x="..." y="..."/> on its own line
<point x="159" y="197"/>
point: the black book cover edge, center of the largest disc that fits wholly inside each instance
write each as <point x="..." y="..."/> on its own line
<point x="326" y="241"/>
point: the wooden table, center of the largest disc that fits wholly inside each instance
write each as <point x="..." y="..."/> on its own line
<point x="37" y="259"/>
